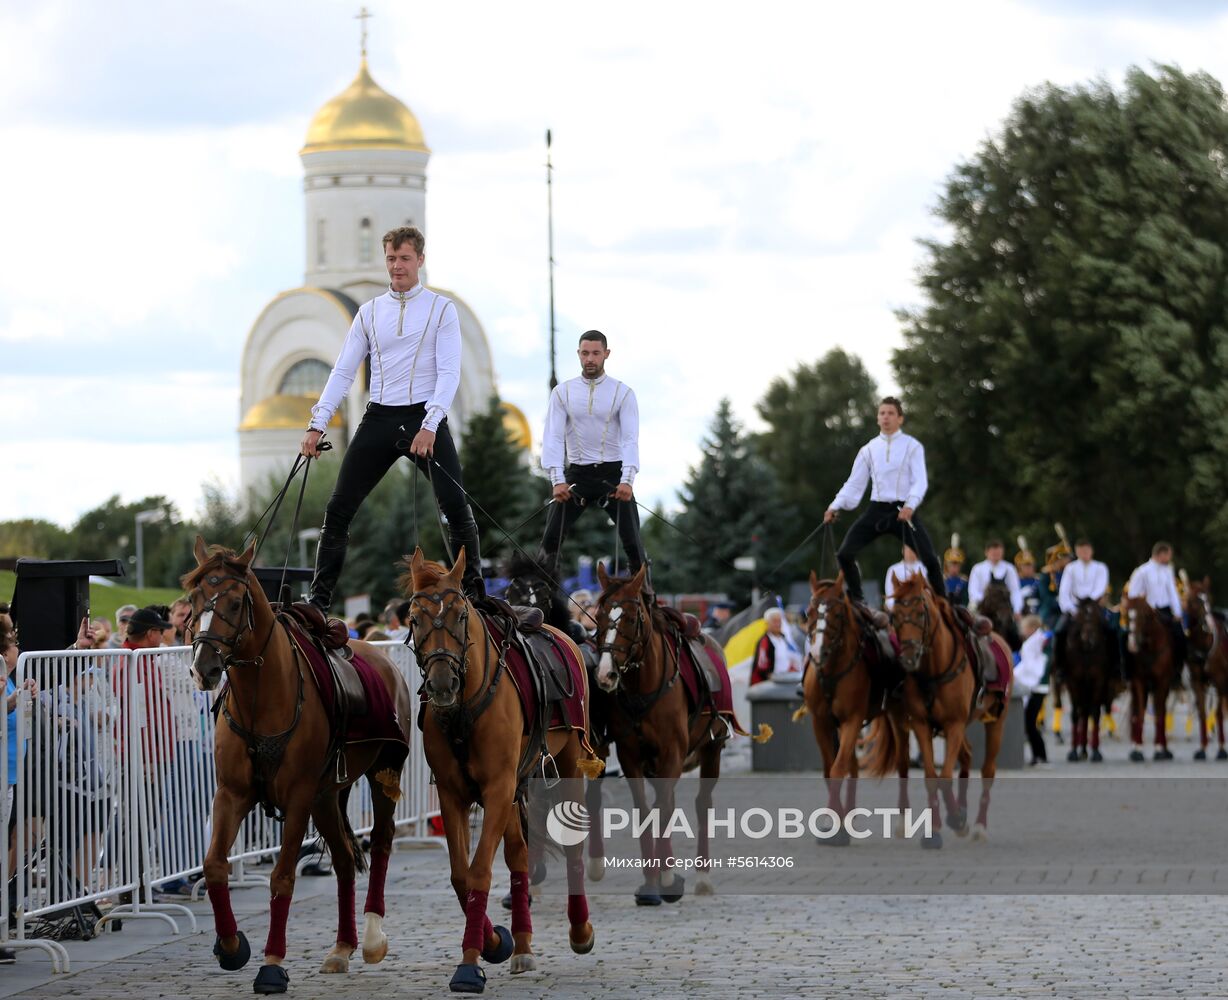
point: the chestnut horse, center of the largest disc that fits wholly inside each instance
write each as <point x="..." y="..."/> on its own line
<point x="940" y="691"/>
<point x="840" y="688"/>
<point x="996" y="606"/>
<point x="1090" y="679"/>
<point x="657" y="734"/>
<point x="1153" y="670"/>
<point x="1208" y="660"/>
<point x="473" y="731"/>
<point x="278" y="724"/>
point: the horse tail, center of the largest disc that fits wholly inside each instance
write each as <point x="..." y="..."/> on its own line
<point x="880" y="758"/>
<point x="347" y="831"/>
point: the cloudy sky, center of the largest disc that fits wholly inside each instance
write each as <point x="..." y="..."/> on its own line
<point x="739" y="187"/>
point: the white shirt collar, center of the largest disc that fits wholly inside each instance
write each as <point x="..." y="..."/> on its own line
<point x="889" y="438"/>
<point x="405" y="296"/>
<point x="594" y="382"/>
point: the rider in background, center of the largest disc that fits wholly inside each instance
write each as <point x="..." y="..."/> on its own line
<point x="1157" y="584"/>
<point x="1085" y="579"/>
<point x="954" y="582"/>
<point x="994" y="568"/>
<point x="910" y="565"/>
<point x="1029" y="582"/>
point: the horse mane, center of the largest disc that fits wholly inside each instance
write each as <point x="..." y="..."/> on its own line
<point x="430" y="571"/>
<point x="228" y="556"/>
<point x="617" y="583"/>
<point x="522" y="564"/>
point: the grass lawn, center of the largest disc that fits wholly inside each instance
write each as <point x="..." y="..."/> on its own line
<point x="104" y="601"/>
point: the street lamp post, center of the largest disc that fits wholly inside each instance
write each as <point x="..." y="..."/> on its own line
<point x="305" y="536"/>
<point x="143" y="518"/>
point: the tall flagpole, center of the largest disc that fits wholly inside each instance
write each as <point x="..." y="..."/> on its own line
<point x="550" y="230"/>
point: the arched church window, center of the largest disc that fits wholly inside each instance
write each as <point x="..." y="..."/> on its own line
<point x="320" y="258"/>
<point x="365" y="246"/>
<point x="305" y="378"/>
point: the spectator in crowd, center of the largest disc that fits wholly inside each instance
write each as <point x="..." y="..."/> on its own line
<point x="581" y="606"/>
<point x="396" y="619"/>
<point x="362" y="621"/>
<point x="121" y="626"/>
<point x="719" y="613"/>
<point x="181" y="614"/>
<point x="777" y="657"/>
<point x="102" y="633"/>
<point x="1032" y="682"/>
<point x="10" y="651"/>
<point x="375" y="634"/>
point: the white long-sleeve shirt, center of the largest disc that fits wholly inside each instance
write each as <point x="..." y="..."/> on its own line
<point x="1158" y="584"/>
<point x="895" y="469"/>
<point x="903" y="570"/>
<point x="985" y="571"/>
<point x="414" y="341"/>
<point x="1032" y="662"/>
<point x="591" y="421"/>
<point x="1081" y="581"/>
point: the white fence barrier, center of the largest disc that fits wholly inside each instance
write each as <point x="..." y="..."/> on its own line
<point x="114" y="785"/>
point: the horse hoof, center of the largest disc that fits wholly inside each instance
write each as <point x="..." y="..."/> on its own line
<point x="539" y="873"/>
<point x="958" y="821"/>
<point x="507" y="901"/>
<point x="271" y="979"/>
<point x="335" y="961"/>
<point x="1222" y="755"/>
<point x="1097" y="757"/>
<point x="1083" y="753"/>
<point x="962" y="831"/>
<point x="1073" y="756"/>
<point x="596" y="869"/>
<point x="979" y="833"/>
<point x="468" y="979"/>
<point x="503" y="950"/>
<point x="673" y="892"/>
<point x="1137" y="756"/>
<point x="644" y="896"/>
<point x="704" y="887"/>
<point x="839" y="838"/>
<point x="1164" y="754"/>
<point x="375" y="953"/>
<point x="523" y="963"/>
<point x="240" y="957"/>
<point x="584" y="947"/>
<point x="932" y="843"/>
<point x="1200" y="754"/>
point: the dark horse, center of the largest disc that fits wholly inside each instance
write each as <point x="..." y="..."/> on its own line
<point x="1153" y="670"/>
<point x="530" y="586"/>
<point x="843" y="687"/>
<point x="1090" y="677"/>
<point x="277" y="749"/>
<point x="1208" y="661"/>
<point x="996" y="606"/>
<point x="478" y="747"/>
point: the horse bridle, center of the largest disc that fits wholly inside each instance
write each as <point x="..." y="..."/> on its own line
<point x="532" y="588"/>
<point x="224" y="646"/>
<point x="923" y="621"/>
<point x="833" y="637"/>
<point x="457" y="662"/>
<point x="626" y="649"/>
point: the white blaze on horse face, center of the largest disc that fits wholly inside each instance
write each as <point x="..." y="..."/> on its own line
<point x="820" y="626"/>
<point x="606" y="674"/>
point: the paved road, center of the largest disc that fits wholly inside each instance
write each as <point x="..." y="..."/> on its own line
<point x="900" y="942"/>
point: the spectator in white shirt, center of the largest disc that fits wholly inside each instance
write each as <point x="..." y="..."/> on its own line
<point x="1032" y="683"/>
<point x="1155" y="582"/>
<point x="994" y="567"/>
<point x="910" y="565"/>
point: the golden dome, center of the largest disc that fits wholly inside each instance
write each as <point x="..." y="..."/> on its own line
<point x="517" y="425"/>
<point x="280" y="413"/>
<point x="364" y="116"/>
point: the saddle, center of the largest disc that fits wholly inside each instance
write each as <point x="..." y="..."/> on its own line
<point x="331" y="638"/>
<point x="688" y="626"/>
<point x="526" y="619"/>
<point x="329" y="633"/>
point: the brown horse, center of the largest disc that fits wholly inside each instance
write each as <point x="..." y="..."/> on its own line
<point x="940" y="691"/>
<point x="996" y="606"/>
<point x="842" y="688"/>
<point x="1208" y="661"/>
<point x="277" y="749"/>
<point x="1089" y="677"/>
<point x="473" y="730"/>
<point x="1153" y="670"/>
<point x="658" y="735"/>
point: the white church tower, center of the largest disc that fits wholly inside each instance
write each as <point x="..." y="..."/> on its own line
<point x="364" y="162"/>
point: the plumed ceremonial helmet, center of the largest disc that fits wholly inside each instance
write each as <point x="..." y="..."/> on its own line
<point x="954" y="554"/>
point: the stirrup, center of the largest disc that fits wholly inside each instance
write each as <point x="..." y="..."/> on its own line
<point x="549" y="767"/>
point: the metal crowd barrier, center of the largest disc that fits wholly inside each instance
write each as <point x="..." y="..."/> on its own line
<point x="115" y="787"/>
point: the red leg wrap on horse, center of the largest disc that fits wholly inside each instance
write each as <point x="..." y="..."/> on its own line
<point x="577" y="909"/>
<point x="375" y="885"/>
<point x="347" y="930"/>
<point x="223" y="915"/>
<point x="575" y="876"/>
<point x="477" y="926"/>
<point x="279" y="914"/>
<point x="1096" y="736"/>
<point x="522" y="922"/>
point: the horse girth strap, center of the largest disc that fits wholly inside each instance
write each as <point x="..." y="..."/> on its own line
<point x="637" y="706"/>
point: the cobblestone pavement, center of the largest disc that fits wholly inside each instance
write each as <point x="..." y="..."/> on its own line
<point x="728" y="945"/>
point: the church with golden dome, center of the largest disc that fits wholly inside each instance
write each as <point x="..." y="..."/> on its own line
<point x="364" y="163"/>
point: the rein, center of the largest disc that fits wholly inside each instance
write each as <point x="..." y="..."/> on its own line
<point x="929" y="633"/>
<point x="829" y="680"/>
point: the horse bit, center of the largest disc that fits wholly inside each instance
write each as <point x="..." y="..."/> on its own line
<point x="457" y="662"/>
<point x="625" y="649"/>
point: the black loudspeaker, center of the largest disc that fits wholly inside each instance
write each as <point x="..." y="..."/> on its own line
<point x="51" y="598"/>
<point x="270" y="577"/>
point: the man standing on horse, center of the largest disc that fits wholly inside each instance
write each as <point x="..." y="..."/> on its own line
<point x="591" y="448"/>
<point x="1156" y="583"/>
<point x="893" y="466"/>
<point x="412" y="337"/>
<point x="994" y="568"/>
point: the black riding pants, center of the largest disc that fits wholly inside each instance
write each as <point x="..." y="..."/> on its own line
<point x="882" y="519"/>
<point x="591" y="485"/>
<point x="384" y="436"/>
<point x="1031" y="719"/>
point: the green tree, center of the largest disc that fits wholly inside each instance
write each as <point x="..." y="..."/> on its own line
<point x="732" y="507"/>
<point x="818" y="417"/>
<point x="109" y="532"/>
<point x="501" y="482"/>
<point x="33" y="538"/>
<point x="1069" y="361"/>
